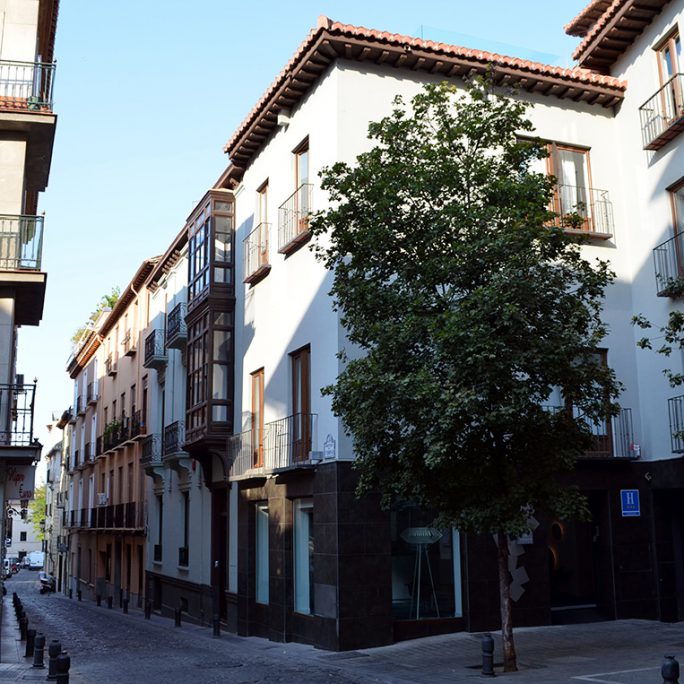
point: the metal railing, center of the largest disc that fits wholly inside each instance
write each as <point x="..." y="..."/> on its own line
<point x="26" y="84"/>
<point x="16" y="414"/>
<point x="91" y="394"/>
<point x="155" y="353"/>
<point x="137" y="426"/>
<point x="174" y="438"/>
<point x="676" y="410"/>
<point x="613" y="437"/>
<point x="668" y="261"/>
<point x="110" y="364"/>
<point x="284" y="443"/>
<point x="21" y="242"/>
<point x="80" y="406"/>
<point x="87" y="457"/>
<point x="176" y="328"/>
<point x="293" y="217"/>
<point x="151" y="451"/>
<point x="661" y="115"/>
<point x="584" y="209"/>
<point x="128" y="343"/>
<point x="256" y="251"/>
<point x="115" y="516"/>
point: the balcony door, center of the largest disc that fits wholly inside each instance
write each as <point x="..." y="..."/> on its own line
<point x="262" y="238"/>
<point x="570" y="165"/>
<point x="258" y="418"/>
<point x="302" y="207"/>
<point x="301" y="404"/>
<point x="669" y="60"/>
<point x="677" y="201"/>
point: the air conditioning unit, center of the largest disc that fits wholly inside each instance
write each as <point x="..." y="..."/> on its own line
<point x="102" y="498"/>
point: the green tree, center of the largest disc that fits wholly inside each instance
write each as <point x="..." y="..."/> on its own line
<point x="36" y="512"/>
<point x="670" y="337"/>
<point x="107" y="301"/>
<point x="465" y="305"/>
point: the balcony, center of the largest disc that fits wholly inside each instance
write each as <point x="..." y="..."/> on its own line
<point x="26" y="86"/>
<point x="662" y="115"/>
<point x="183" y="556"/>
<point x="77" y="460"/>
<point x="257" y="262"/>
<point x="80" y="406"/>
<point x="111" y="365"/>
<point x="155" y="353"/>
<point x="128" y="343"/>
<point x="87" y="455"/>
<point x="116" y="433"/>
<point x="286" y="443"/>
<point x="676" y="410"/>
<point x="174" y="455"/>
<point x="151" y="458"/>
<point x="612" y="437"/>
<point x="584" y="211"/>
<point x="668" y="261"/>
<point x="137" y="430"/>
<point x="122" y="516"/>
<point x="176" y="329"/>
<point x="293" y="219"/>
<point x="16" y="421"/>
<point x="98" y="447"/>
<point x="91" y="394"/>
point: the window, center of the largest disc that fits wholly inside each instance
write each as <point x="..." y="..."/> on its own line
<point x="261" y="547"/>
<point x="303" y="557"/>
<point x="198" y="260"/>
<point x="303" y="204"/>
<point x="293" y="219"/>
<point x="258" y="418"/>
<point x="22" y="536"/>
<point x="301" y="403"/>
<point x="197" y="362"/>
<point x="669" y="57"/>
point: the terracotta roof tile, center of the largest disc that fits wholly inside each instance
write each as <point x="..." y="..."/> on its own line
<point x="586" y="18"/>
<point x="607" y="15"/>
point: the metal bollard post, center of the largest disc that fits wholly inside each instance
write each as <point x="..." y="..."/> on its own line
<point x="217" y="626"/>
<point x="54" y="649"/>
<point x="488" y="655"/>
<point x="110" y="601"/>
<point x="670" y="670"/>
<point x="98" y="599"/>
<point x="121" y="595"/>
<point x="71" y="593"/>
<point x="79" y="595"/>
<point x="39" y="650"/>
<point x="23" y="627"/>
<point x="30" y="643"/>
<point x="148" y="610"/>
<point x="63" y="665"/>
<point x="177" y="617"/>
<point x="125" y="605"/>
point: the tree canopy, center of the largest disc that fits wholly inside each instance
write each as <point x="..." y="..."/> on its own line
<point x="36" y="512"/>
<point x="471" y="308"/>
<point x="107" y="301"/>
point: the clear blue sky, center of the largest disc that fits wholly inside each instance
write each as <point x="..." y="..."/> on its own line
<point x="147" y="93"/>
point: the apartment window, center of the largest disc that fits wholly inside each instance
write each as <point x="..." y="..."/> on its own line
<point x="262" y="203"/>
<point x="22" y="536"/>
<point x="198" y="261"/>
<point x="261" y="547"/>
<point x="669" y="57"/>
<point x="303" y="557"/>
<point x="301" y="403"/>
<point x="293" y="219"/>
<point x="221" y="384"/>
<point x="198" y="341"/>
<point x="301" y="154"/>
<point x="258" y="418"/>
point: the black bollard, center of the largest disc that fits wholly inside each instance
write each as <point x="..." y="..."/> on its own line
<point x="39" y="650"/>
<point x="148" y="610"/>
<point x="30" y="643"/>
<point x="23" y="627"/>
<point x="121" y="596"/>
<point x="79" y="595"/>
<point x="54" y="649"/>
<point x="98" y="599"/>
<point x="177" y="617"/>
<point x="15" y="597"/>
<point x="670" y="670"/>
<point x="488" y="655"/>
<point x="217" y="626"/>
<point x="110" y="601"/>
<point x="125" y="605"/>
<point x="63" y="665"/>
<point x="71" y="593"/>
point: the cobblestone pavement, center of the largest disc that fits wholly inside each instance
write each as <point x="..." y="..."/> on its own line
<point x="107" y="646"/>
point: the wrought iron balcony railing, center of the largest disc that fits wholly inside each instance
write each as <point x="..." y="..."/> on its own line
<point x="128" y="343"/>
<point x="26" y="85"/>
<point x="257" y="261"/>
<point x="16" y="415"/>
<point x="284" y="443"/>
<point x="293" y="219"/>
<point x="676" y="410"/>
<point x="110" y="364"/>
<point x="91" y="394"/>
<point x="584" y="211"/>
<point x="21" y="242"/>
<point x="80" y="406"/>
<point x="155" y="353"/>
<point x="668" y="260"/>
<point x="151" y="458"/>
<point x="174" y="438"/>
<point x="176" y="329"/>
<point x="137" y="425"/>
<point x="662" y="115"/>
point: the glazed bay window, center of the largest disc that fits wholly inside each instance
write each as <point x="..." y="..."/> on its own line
<point x="197" y="364"/>
<point x="261" y="546"/>
<point x="303" y="557"/>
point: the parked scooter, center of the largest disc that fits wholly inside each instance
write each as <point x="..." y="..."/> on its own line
<point x="47" y="583"/>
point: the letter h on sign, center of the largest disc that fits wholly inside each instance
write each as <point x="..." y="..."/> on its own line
<point x="629" y="500"/>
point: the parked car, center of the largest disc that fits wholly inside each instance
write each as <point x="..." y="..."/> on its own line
<point x="36" y="560"/>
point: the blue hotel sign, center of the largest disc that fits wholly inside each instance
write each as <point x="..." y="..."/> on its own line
<point x="629" y="499"/>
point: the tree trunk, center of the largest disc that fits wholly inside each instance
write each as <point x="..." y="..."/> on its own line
<point x="510" y="659"/>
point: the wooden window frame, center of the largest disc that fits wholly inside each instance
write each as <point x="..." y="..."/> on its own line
<point x="677" y="221"/>
<point x="669" y="42"/>
<point x="301" y="403"/>
<point x="257" y="430"/>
